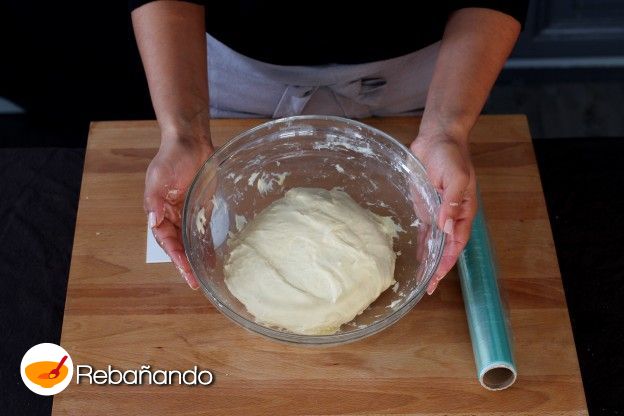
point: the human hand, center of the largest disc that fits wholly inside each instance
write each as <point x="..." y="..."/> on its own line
<point x="450" y="169"/>
<point x="168" y="177"/>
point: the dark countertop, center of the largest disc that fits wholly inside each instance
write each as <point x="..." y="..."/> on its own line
<point x="583" y="181"/>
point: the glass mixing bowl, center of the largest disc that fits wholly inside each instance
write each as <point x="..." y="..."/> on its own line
<point x="257" y="167"/>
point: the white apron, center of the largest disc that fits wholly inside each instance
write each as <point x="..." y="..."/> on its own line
<point x="243" y="87"/>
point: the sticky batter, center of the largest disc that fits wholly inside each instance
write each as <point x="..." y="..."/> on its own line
<point x="311" y="261"/>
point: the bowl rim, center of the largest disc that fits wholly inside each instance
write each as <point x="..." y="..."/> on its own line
<point x="289" y="337"/>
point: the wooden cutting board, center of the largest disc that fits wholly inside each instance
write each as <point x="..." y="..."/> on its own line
<point x="126" y="313"/>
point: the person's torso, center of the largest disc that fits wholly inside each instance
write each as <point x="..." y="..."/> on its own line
<point x="324" y="32"/>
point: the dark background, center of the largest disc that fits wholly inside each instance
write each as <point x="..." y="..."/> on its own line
<point x="67" y="64"/>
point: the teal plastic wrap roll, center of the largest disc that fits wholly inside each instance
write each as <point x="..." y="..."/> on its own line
<point x="489" y="329"/>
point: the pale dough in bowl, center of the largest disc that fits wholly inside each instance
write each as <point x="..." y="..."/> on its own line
<point x="311" y="261"/>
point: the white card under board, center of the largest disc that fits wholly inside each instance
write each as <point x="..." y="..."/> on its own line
<point x="154" y="252"/>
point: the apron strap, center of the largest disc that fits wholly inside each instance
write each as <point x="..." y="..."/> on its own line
<point x="294" y="100"/>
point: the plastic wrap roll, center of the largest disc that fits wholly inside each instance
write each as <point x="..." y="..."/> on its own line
<point x="487" y="321"/>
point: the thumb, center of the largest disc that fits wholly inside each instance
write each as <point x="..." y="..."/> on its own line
<point x="452" y="197"/>
<point x="154" y="205"/>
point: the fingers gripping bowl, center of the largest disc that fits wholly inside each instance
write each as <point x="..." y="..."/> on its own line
<point x="259" y="166"/>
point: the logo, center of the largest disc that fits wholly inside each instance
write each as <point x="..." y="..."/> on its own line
<point x="46" y="369"/>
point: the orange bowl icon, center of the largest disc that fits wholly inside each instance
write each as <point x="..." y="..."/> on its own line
<point x="41" y="373"/>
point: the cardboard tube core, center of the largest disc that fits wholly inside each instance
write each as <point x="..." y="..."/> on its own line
<point x="497" y="377"/>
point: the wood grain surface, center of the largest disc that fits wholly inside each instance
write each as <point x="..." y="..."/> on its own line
<point x="124" y="312"/>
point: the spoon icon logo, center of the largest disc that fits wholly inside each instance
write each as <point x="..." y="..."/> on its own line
<point x="46" y="369"/>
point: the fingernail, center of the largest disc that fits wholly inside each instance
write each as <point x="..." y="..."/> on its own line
<point x="448" y="226"/>
<point x="432" y="287"/>
<point x="151" y="219"/>
<point x="193" y="285"/>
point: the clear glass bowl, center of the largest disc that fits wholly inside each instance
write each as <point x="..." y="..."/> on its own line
<point x="257" y="167"/>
